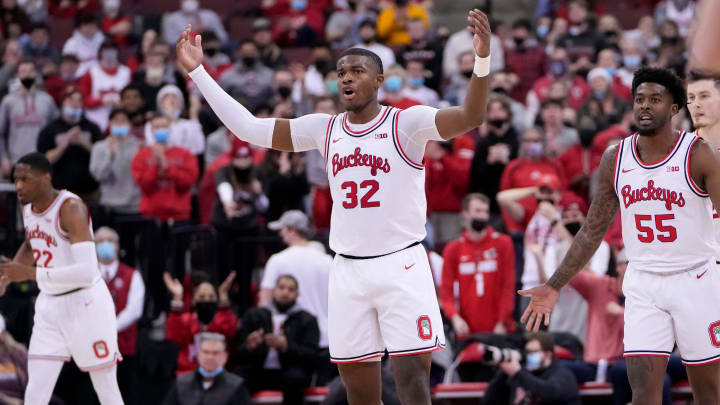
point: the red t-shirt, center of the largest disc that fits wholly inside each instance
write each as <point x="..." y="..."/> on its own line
<point x="485" y="272"/>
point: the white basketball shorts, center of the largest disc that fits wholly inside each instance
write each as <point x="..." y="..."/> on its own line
<point x="81" y="325"/>
<point x="388" y="302"/>
<point x="682" y="307"/>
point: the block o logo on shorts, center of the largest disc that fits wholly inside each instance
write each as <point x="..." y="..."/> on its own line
<point x="424" y="327"/>
<point x="714" y="330"/>
<point x="100" y="349"/>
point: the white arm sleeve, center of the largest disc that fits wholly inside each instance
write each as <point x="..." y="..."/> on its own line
<point x="416" y="126"/>
<point x="81" y="274"/>
<point x="308" y="132"/>
<point x="258" y="131"/>
<point x="134" y="307"/>
<point x="225" y="192"/>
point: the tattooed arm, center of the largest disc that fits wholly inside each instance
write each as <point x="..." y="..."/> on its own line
<point x="602" y="211"/>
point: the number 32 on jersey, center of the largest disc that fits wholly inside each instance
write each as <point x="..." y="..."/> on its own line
<point x="367" y="188"/>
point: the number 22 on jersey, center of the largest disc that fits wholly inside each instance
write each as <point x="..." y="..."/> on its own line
<point x="38" y="256"/>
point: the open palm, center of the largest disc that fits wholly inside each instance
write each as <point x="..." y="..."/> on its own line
<point x="480" y="27"/>
<point x="189" y="49"/>
<point x="542" y="300"/>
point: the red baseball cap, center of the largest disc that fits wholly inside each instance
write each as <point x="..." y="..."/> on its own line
<point x="550" y="181"/>
<point x="571" y="201"/>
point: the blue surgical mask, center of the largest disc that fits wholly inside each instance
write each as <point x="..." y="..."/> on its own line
<point x="393" y="83"/>
<point x="599" y="95"/>
<point x="533" y="361"/>
<point x="542" y="31"/>
<point x="105" y="250"/>
<point x="416" y="81"/>
<point x="161" y="135"/>
<point x="611" y="70"/>
<point x="558" y="68"/>
<point x="73" y="113"/>
<point x="632" y="61"/>
<point x="332" y="86"/>
<point x="210" y="374"/>
<point x="120" y="132"/>
<point x="299" y="5"/>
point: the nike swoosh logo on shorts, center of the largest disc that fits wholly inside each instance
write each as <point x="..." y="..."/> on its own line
<point x="699" y="276"/>
<point x="408" y="267"/>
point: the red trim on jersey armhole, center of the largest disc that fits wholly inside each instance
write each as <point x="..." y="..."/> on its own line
<point x="695" y="187"/>
<point x="644" y="164"/>
<point x="327" y="138"/>
<point x="397" y="141"/>
<point x="370" y="128"/>
<point x="617" y="169"/>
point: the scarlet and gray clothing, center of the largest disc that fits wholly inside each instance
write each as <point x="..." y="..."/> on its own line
<point x="23" y="114"/>
<point x="225" y="389"/>
<point x="128" y="292"/>
<point x="118" y="189"/>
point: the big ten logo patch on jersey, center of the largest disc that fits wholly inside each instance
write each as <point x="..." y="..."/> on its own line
<point x="100" y="349"/>
<point x="384" y="135"/>
<point x="672" y="168"/>
<point x="424" y="327"/>
<point x="714" y="330"/>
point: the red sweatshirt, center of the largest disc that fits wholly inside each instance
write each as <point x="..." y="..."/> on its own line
<point x="485" y="272"/>
<point x="183" y="326"/>
<point x="165" y="192"/>
<point x="446" y="182"/>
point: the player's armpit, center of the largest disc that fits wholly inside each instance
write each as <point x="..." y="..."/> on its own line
<point x="602" y="211"/>
<point x="705" y="169"/>
<point x="75" y="220"/>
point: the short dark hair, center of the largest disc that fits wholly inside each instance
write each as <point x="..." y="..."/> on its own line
<point x="474" y="196"/>
<point x="664" y="77"/>
<point x="117" y="111"/>
<point x="129" y="87"/>
<point x="522" y="23"/>
<point x="289" y="277"/>
<point x="364" y="52"/>
<point x="40" y="26"/>
<point x="550" y="102"/>
<point x="37" y="161"/>
<point x="696" y="76"/>
<point x="85" y="19"/>
<point x="547" y="342"/>
<point x="69" y="57"/>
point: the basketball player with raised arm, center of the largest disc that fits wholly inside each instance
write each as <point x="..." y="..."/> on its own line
<point x="74" y="313"/>
<point x="381" y="292"/>
<point x="664" y="184"/>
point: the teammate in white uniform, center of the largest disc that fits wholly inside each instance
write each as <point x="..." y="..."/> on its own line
<point x="703" y="95"/>
<point x="381" y="292"/>
<point x="74" y="313"/>
<point x="661" y="181"/>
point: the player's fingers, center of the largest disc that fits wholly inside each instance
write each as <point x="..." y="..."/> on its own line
<point x="526" y="314"/>
<point x="531" y="322"/>
<point x="546" y="315"/>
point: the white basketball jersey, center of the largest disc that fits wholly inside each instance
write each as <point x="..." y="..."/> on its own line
<point x="378" y="193"/>
<point x="716" y="217"/>
<point x="50" y="244"/>
<point x="666" y="217"/>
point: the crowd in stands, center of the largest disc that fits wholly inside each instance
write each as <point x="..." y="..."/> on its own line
<point x="216" y="250"/>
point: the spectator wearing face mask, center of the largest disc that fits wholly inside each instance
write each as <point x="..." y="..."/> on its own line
<point x="297" y="22"/>
<point x="460" y="80"/>
<point x="494" y="151"/>
<point x="417" y="89"/>
<point x="422" y="48"/>
<point x="392" y="23"/>
<point x="582" y="39"/>
<point x="609" y="59"/>
<point x="24" y="112"/>
<point x="580" y="161"/>
<point x="67" y="142"/>
<point x="393" y="91"/>
<point x="156" y="72"/>
<point x="633" y="56"/>
<point x="502" y="85"/>
<point x="525" y="58"/>
<point x="210" y="380"/>
<point x="185" y="133"/>
<point x="248" y="80"/>
<point x="174" y="23"/>
<point x="57" y="84"/>
<point x="323" y="63"/>
<point x="558" y="136"/>
<point x="103" y="83"/>
<point x="214" y="60"/>
<point x="271" y="55"/>
<point x="128" y="292"/>
<point x="210" y="313"/>
<point x="521" y="178"/>
<point x="645" y="33"/>
<point x="558" y="70"/>
<point x="603" y="107"/>
<point x="368" y="40"/>
<point x="482" y="263"/>
<point x="133" y="103"/>
<point x="278" y="344"/>
<point x="542" y="380"/>
<point x="85" y="42"/>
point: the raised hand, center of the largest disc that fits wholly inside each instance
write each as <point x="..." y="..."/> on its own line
<point x="480" y="26"/>
<point x="189" y="50"/>
<point x="224" y="289"/>
<point x="542" y="300"/>
<point x="174" y="286"/>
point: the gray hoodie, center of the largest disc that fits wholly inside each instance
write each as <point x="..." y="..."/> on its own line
<point x="22" y="115"/>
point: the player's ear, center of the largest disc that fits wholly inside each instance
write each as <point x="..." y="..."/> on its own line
<point x="674" y="109"/>
<point x="380" y="79"/>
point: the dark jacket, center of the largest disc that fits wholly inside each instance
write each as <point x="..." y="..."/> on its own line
<point x="555" y="385"/>
<point x="227" y="389"/>
<point x="484" y="176"/>
<point x="300" y="329"/>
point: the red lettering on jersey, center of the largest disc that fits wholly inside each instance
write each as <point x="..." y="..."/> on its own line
<point x="38" y="234"/>
<point x="360" y="159"/>
<point x="631" y="196"/>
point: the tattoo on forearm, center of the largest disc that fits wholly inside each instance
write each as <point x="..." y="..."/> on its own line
<point x="602" y="211"/>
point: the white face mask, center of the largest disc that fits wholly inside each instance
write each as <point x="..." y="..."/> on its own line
<point x="190" y="6"/>
<point x="533" y="361"/>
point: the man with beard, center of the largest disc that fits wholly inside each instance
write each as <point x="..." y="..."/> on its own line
<point x="660" y="180"/>
<point x="279" y="344"/>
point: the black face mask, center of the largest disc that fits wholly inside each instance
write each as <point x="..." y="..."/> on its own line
<point x="206" y="311"/>
<point x="519" y="42"/>
<point x="670" y="40"/>
<point x="283" y="307"/>
<point x="467" y="73"/>
<point x="323" y="66"/>
<point x="573" y="227"/>
<point x="586" y="137"/>
<point x="27" y="82"/>
<point x="497" y="123"/>
<point x="284" y="91"/>
<point x="249" y="61"/>
<point x="499" y="90"/>
<point x="478" y="225"/>
<point x="211" y="51"/>
<point x="242" y="174"/>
